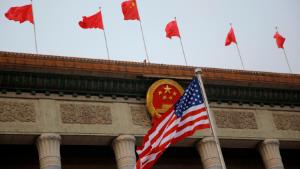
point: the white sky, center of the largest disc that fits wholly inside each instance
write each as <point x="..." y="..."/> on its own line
<point x="203" y="25"/>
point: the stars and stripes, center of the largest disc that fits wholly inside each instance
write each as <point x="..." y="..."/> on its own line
<point x="181" y="120"/>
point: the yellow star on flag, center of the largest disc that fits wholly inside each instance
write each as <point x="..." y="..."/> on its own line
<point x="132" y="4"/>
<point x="167" y="89"/>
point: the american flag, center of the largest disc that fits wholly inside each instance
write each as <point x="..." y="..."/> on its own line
<point x="181" y="120"/>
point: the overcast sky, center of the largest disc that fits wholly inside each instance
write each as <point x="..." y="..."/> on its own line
<point x="203" y="26"/>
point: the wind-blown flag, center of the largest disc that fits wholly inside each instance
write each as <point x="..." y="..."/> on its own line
<point x="181" y="120"/>
<point x="230" y="37"/>
<point x="172" y="29"/>
<point x="130" y="10"/>
<point x="93" y="21"/>
<point x="20" y="13"/>
<point x="279" y="40"/>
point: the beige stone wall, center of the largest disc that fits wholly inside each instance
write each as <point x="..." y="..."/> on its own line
<point x="255" y="122"/>
<point x="94" y="120"/>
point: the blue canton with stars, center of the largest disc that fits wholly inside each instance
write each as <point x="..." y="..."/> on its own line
<point x="192" y="96"/>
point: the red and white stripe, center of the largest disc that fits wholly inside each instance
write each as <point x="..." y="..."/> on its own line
<point x="170" y="130"/>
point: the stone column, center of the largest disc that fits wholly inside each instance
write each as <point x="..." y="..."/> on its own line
<point x="124" y="151"/>
<point x="269" y="150"/>
<point x="48" y="146"/>
<point x="208" y="151"/>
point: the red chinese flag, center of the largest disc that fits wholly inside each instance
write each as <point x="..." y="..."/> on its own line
<point x="130" y="10"/>
<point x="172" y="30"/>
<point x="93" y="21"/>
<point x="20" y="14"/>
<point x="230" y="37"/>
<point x="279" y="40"/>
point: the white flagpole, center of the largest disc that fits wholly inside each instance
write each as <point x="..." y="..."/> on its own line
<point x="198" y="72"/>
<point x="34" y="30"/>
<point x="144" y="41"/>
<point x="286" y="58"/>
<point x="238" y="50"/>
<point x="145" y="47"/>
<point x="105" y="37"/>
<point x="287" y="61"/>
<point x="181" y="44"/>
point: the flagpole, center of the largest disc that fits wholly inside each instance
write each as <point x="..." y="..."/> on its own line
<point x="144" y="40"/>
<point x="105" y="39"/>
<point x="34" y="30"/>
<point x="198" y="72"/>
<point x="286" y="58"/>
<point x="287" y="61"/>
<point x="238" y="50"/>
<point x="181" y="45"/>
<point x="145" y="47"/>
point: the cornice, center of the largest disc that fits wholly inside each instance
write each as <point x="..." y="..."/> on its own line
<point x="34" y="82"/>
<point x="79" y="76"/>
<point x="98" y="67"/>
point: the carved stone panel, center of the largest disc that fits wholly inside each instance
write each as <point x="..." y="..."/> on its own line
<point x="85" y="114"/>
<point x="235" y="119"/>
<point x="140" y="116"/>
<point x="17" y="112"/>
<point x="287" y="121"/>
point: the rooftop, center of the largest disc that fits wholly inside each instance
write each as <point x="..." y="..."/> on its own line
<point x="96" y="67"/>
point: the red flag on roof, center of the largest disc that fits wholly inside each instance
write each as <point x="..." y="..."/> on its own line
<point x="130" y="10"/>
<point x="230" y="37"/>
<point x="93" y="21"/>
<point x="20" y="13"/>
<point x="279" y="40"/>
<point x="172" y="29"/>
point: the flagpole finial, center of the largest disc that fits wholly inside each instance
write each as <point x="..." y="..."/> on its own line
<point x="198" y="70"/>
<point x="276" y="28"/>
<point x="175" y="18"/>
<point x="230" y="23"/>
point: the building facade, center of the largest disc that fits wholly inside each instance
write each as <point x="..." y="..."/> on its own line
<point x="74" y="113"/>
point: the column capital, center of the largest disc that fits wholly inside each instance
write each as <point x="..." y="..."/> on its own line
<point x="122" y="138"/>
<point x="270" y="141"/>
<point x="48" y="145"/>
<point x="49" y="136"/>
<point x="207" y="149"/>
<point x="124" y="148"/>
<point x="206" y="140"/>
<point x="269" y="150"/>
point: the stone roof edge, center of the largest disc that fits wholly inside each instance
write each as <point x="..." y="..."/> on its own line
<point x="80" y="59"/>
<point x="91" y="60"/>
<point x="150" y="69"/>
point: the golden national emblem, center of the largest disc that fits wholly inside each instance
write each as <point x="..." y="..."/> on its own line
<point x="161" y="95"/>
